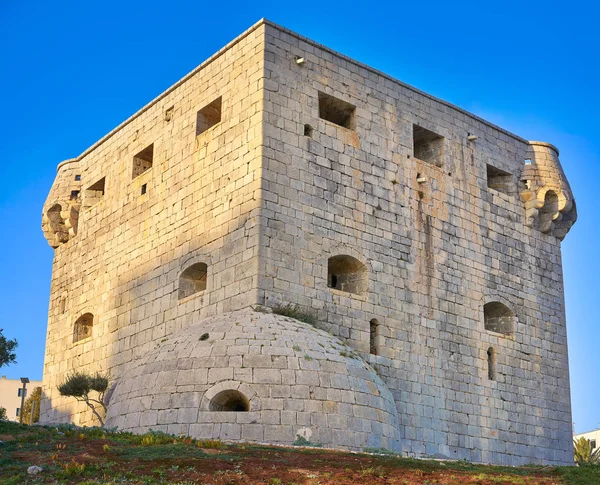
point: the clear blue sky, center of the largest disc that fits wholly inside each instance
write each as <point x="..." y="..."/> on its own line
<point x="72" y="71"/>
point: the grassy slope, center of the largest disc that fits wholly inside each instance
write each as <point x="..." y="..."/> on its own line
<point x="93" y="456"/>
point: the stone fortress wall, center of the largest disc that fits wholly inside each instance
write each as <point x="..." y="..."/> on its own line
<point x="427" y="239"/>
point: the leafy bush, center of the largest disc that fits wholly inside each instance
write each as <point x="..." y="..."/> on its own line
<point x="3" y="415"/>
<point x="302" y="441"/>
<point x="584" y="455"/>
<point x="7" y="356"/>
<point x="156" y="438"/>
<point x="79" y="385"/>
<point x="72" y="468"/>
<point x="210" y="444"/>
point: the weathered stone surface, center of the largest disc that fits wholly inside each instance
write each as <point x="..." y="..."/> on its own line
<point x="270" y="405"/>
<point x="425" y="238"/>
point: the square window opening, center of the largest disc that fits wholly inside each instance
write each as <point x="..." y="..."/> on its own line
<point x="77" y="178"/>
<point x="208" y="116"/>
<point x="74" y="194"/>
<point x="428" y="146"/>
<point x="499" y="180"/>
<point x="142" y="162"/>
<point x="337" y="111"/>
<point x="94" y="193"/>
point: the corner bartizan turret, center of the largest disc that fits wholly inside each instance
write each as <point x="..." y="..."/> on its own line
<point x="60" y="215"/>
<point x="549" y="202"/>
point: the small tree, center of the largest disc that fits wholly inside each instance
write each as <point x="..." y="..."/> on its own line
<point x="32" y="402"/>
<point x="7" y="356"/>
<point x="584" y="455"/>
<point x="3" y="415"/>
<point x="79" y="385"/>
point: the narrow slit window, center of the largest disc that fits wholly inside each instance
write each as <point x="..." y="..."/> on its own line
<point x="142" y="162"/>
<point x="144" y="188"/>
<point x="374" y="335"/>
<point x="428" y="146"/>
<point x="208" y="116"/>
<point x="499" y="180"/>
<point x="337" y="111"/>
<point x="491" y="358"/>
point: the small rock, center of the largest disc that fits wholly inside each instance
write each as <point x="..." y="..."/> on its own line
<point x="34" y="470"/>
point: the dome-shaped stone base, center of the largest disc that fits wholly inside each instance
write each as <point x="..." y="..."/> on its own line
<point x="259" y="377"/>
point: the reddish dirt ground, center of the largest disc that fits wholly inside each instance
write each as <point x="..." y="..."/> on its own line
<point x="246" y="465"/>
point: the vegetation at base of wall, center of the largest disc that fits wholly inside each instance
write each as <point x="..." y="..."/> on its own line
<point x="297" y="312"/>
<point x="3" y="415"/>
<point x="80" y="385"/>
<point x="302" y="441"/>
<point x="69" y="454"/>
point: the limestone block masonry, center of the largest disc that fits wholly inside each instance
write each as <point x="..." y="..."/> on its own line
<point x="425" y="240"/>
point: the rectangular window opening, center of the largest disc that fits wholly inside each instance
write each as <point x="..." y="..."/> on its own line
<point x="77" y="178"/>
<point x="94" y="193"/>
<point x="142" y="162"/>
<point x="499" y="180"/>
<point x="144" y="187"/>
<point x="74" y="194"/>
<point x="428" y="146"/>
<point x="337" y="111"/>
<point x="208" y="116"/>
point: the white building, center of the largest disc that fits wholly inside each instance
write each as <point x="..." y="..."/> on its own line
<point x="10" y="395"/>
<point x="592" y="436"/>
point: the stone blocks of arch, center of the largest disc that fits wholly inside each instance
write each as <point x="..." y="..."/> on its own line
<point x="237" y="389"/>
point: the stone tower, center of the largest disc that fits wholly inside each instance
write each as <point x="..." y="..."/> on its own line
<point x="279" y="172"/>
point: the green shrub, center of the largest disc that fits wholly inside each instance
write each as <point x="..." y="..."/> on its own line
<point x="79" y="385"/>
<point x="584" y="455"/>
<point x="156" y="438"/>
